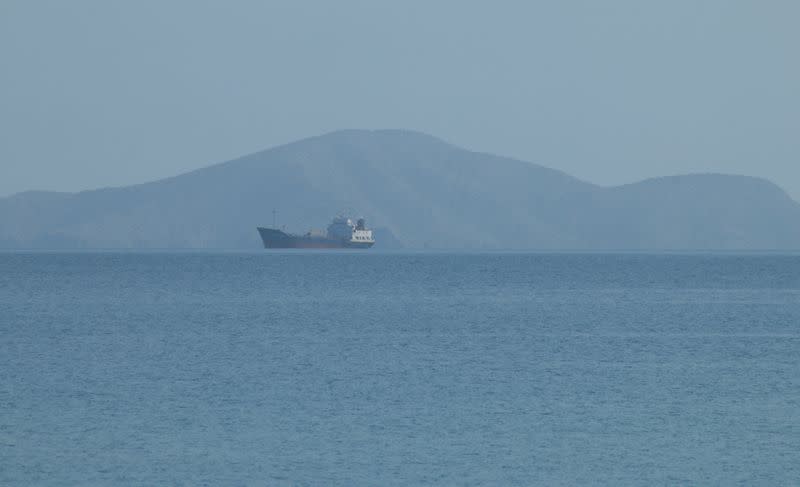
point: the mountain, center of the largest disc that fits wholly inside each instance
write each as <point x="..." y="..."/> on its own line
<point x="418" y="191"/>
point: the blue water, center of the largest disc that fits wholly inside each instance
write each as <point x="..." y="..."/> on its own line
<point x="399" y="369"/>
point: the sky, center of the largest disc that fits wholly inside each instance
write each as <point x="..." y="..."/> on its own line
<point x="109" y="93"/>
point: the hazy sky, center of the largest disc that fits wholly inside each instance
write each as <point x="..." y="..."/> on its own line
<point x="109" y="92"/>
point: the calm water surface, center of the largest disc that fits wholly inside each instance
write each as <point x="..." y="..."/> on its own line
<point x="399" y="369"/>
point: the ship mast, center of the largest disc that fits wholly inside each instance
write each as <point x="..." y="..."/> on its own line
<point x="274" y="218"/>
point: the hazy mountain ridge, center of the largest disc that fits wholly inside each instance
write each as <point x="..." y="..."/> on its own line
<point x="424" y="191"/>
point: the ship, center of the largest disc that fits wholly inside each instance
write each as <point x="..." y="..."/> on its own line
<point x="342" y="233"/>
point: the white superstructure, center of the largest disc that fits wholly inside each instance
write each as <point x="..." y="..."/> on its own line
<point x="343" y="228"/>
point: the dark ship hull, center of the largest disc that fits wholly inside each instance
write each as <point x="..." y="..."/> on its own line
<point x="277" y="239"/>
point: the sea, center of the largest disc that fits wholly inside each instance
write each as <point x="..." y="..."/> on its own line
<point x="351" y="368"/>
